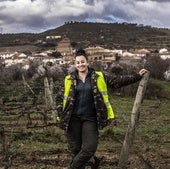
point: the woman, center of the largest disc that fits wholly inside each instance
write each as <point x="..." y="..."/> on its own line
<point x="86" y="107"/>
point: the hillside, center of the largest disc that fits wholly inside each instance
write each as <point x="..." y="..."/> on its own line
<point x="115" y="35"/>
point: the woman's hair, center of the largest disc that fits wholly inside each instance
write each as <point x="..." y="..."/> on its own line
<point x="80" y="52"/>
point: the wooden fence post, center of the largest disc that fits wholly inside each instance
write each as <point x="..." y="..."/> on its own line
<point x="27" y="85"/>
<point x="3" y="140"/>
<point x="49" y="99"/>
<point x="51" y="85"/>
<point x="130" y="134"/>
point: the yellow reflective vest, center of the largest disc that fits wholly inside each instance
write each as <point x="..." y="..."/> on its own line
<point x="102" y="87"/>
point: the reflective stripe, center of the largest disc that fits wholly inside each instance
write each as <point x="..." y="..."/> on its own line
<point x="104" y="93"/>
<point x="107" y="104"/>
<point x="65" y="97"/>
<point x="102" y="87"/>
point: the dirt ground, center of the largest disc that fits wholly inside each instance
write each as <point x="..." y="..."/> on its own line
<point x="42" y="148"/>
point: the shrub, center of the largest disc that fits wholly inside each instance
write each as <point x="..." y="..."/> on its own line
<point x="157" y="66"/>
<point x="154" y="90"/>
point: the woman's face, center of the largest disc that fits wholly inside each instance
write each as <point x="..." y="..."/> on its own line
<point x="81" y="64"/>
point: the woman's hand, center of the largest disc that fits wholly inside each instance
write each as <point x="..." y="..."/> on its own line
<point x="142" y="72"/>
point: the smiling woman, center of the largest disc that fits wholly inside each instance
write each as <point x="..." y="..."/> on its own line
<point x="86" y="107"/>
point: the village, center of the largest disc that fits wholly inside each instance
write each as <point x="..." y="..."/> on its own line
<point x="66" y="55"/>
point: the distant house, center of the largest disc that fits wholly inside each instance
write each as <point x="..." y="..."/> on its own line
<point x="60" y="61"/>
<point x="53" y="37"/>
<point x="44" y="58"/>
<point x="6" y="55"/>
<point x="64" y="47"/>
<point x="109" y="57"/>
<point x="142" y="52"/>
<point x="93" y="57"/>
<point x="68" y="59"/>
<point x="130" y="58"/>
<point x="163" y="51"/>
<point x="164" y="54"/>
<point x="22" y="55"/>
<point x="94" y="50"/>
<point x="101" y="54"/>
<point x="127" y="54"/>
<point x="49" y="60"/>
<point x="42" y="54"/>
<point x="15" y="60"/>
<point x="118" y="51"/>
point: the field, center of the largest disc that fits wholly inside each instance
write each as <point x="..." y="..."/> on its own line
<point x="30" y="140"/>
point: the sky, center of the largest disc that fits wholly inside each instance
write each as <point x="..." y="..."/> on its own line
<point x="35" y="16"/>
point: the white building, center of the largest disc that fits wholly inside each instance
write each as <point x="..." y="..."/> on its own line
<point x="164" y="54"/>
<point x="163" y="50"/>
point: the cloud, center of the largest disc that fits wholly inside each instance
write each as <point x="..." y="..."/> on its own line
<point x="155" y="0"/>
<point x="40" y="15"/>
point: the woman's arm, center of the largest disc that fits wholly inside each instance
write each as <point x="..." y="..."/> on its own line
<point x="124" y="80"/>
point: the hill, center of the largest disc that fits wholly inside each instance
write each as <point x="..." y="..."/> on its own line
<point x="114" y="35"/>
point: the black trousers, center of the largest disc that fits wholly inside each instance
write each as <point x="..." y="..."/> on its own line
<point x="82" y="136"/>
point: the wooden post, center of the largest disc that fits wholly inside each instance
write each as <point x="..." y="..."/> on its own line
<point x="51" y="85"/>
<point x="49" y="99"/>
<point x="130" y="134"/>
<point x="3" y="140"/>
<point x="45" y="91"/>
<point x="27" y="85"/>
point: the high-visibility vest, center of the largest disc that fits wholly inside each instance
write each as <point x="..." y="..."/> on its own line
<point x="102" y="87"/>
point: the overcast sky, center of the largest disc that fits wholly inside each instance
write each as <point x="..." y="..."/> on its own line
<point x="17" y="16"/>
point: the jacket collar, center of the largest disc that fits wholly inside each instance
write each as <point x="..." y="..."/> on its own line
<point x="74" y="74"/>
